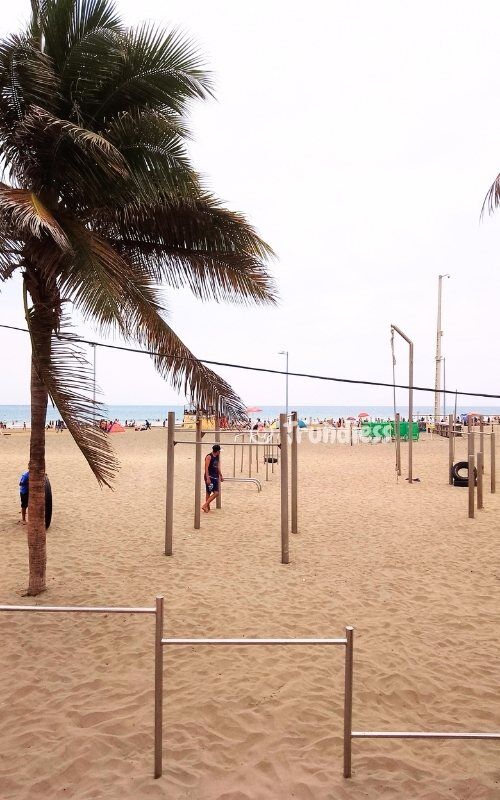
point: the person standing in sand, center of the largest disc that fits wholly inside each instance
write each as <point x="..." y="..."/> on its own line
<point x="24" y="487"/>
<point x="212" y="476"/>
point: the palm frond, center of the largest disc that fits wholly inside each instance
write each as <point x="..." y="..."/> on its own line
<point x="153" y="146"/>
<point x="492" y="200"/>
<point x="67" y="375"/>
<point x="67" y="22"/>
<point x="157" y="70"/>
<point x="22" y="212"/>
<point x="116" y="293"/>
<point x="27" y="77"/>
<point x="215" y="252"/>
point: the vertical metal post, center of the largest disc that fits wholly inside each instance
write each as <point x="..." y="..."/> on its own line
<point x="410" y="417"/>
<point x="294" y="474"/>
<point x="410" y="402"/>
<point x="94" y="390"/>
<point x="158" y="687"/>
<point x="349" y="654"/>
<point x="480" y="468"/>
<point x="470" y="437"/>
<point x="169" y="503"/>
<point x="197" y="476"/>
<point x="285" y="557"/>
<point x="250" y="455"/>
<point x="267" y="450"/>
<point x="398" y="444"/>
<point x="481" y="436"/>
<point x="471" y="486"/>
<point x="450" y="448"/>
<point x="234" y="461"/>
<point x="493" y="466"/>
<point x="218" y="499"/>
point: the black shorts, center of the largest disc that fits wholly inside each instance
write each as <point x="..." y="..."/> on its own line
<point x="214" y="483"/>
<point x="24" y="500"/>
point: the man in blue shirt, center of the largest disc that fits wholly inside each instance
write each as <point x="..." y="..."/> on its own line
<point x="24" y="490"/>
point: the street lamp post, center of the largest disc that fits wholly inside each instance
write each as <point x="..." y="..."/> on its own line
<point x="437" y="399"/>
<point x="285" y="353"/>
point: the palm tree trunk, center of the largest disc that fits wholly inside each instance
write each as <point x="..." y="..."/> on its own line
<point x="36" y="505"/>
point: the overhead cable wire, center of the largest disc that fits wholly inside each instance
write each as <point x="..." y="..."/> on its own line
<point x="267" y="370"/>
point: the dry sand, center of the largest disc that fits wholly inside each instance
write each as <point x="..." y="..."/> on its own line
<point x="403" y="564"/>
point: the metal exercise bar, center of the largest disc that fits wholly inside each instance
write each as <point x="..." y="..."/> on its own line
<point x="83" y="609"/>
<point x="420" y="735"/>
<point x="245" y="480"/>
<point x="169" y="641"/>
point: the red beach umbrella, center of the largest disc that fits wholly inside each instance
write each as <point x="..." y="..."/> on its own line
<point x="253" y="409"/>
<point x="363" y="414"/>
<point x="352" y="418"/>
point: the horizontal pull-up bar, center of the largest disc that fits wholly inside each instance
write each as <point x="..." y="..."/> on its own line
<point x="421" y="735"/>
<point x="254" y="641"/>
<point x="245" y="480"/>
<point x="229" y="444"/>
<point x="82" y="609"/>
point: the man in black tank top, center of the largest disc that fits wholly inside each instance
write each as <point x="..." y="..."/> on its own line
<point x="212" y="476"/>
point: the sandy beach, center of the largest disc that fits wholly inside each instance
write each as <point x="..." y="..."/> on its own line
<point x="403" y="564"/>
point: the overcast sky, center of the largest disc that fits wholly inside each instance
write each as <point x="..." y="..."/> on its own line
<point x="360" y="139"/>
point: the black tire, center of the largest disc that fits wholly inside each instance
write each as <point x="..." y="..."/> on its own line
<point x="457" y="473"/>
<point x="48" y="502"/>
<point x="271" y="460"/>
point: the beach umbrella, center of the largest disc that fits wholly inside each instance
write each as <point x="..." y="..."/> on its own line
<point x="363" y="414"/>
<point x="352" y="418"/>
<point x="253" y="409"/>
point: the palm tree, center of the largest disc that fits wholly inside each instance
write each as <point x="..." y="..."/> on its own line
<point x="102" y="208"/>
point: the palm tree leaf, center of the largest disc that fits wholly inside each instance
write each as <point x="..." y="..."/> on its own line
<point x="67" y="375"/>
<point x="116" y="293"/>
<point x="209" y="249"/>
<point x="492" y="199"/>
<point x="153" y="144"/>
<point x="27" y="77"/>
<point x="23" y="212"/>
<point x="67" y="22"/>
<point x="157" y="70"/>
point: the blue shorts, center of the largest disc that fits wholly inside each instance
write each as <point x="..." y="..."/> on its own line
<point x="214" y="483"/>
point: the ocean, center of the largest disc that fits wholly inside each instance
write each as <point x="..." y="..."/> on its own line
<point x="17" y="415"/>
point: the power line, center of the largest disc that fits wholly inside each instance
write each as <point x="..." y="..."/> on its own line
<point x="79" y="340"/>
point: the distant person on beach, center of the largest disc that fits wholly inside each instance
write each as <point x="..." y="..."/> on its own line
<point x="24" y="488"/>
<point x="212" y="476"/>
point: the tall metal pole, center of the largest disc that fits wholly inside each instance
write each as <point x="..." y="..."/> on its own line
<point x="410" y="402"/>
<point x="439" y="334"/>
<point x="285" y="558"/>
<point x="285" y="353"/>
<point x="444" y="387"/>
<point x="93" y="394"/>
<point x="169" y="502"/>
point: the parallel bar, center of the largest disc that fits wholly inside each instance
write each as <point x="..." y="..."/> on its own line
<point x="349" y="657"/>
<point x="158" y="766"/>
<point x="83" y="609"/>
<point x="169" y="502"/>
<point x="193" y="642"/>
<point x="420" y="735"/>
<point x="245" y="480"/>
